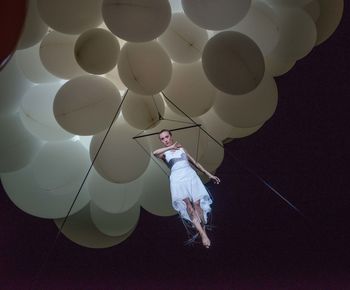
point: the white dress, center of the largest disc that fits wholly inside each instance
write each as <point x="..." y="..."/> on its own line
<point x="185" y="183"/>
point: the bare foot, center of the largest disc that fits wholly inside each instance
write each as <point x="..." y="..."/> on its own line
<point x="206" y="241"/>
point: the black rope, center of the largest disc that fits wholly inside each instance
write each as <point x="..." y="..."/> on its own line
<point x="240" y="163"/>
<point x="172" y="130"/>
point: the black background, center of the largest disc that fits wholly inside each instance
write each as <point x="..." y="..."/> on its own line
<point x="258" y="242"/>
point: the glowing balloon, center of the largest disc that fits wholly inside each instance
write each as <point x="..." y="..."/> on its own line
<point x="142" y="112"/>
<point x="17" y="147"/>
<point x="183" y="40"/>
<point x="97" y="50"/>
<point x="113" y="197"/>
<point x="72" y="17"/>
<point x="190" y="90"/>
<point x="34" y="27"/>
<point x="121" y="159"/>
<point x="114" y="224"/>
<point x="249" y="110"/>
<point x="49" y="185"/>
<point x="233" y="62"/>
<point x="29" y="62"/>
<point x="57" y="55"/>
<point x="136" y="20"/>
<point x="86" y="105"/>
<point x="80" y="229"/>
<point x="37" y="113"/>
<point x="216" y="15"/>
<point x="13" y="86"/>
<point x="144" y="68"/>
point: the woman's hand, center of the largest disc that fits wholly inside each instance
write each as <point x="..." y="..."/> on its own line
<point x="214" y="178"/>
<point x="175" y="145"/>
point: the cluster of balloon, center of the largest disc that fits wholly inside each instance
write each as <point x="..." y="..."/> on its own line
<point x="214" y="61"/>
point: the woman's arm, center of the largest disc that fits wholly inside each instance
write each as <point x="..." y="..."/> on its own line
<point x="201" y="168"/>
<point x="160" y="152"/>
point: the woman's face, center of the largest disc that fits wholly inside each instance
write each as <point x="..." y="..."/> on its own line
<point x="166" y="139"/>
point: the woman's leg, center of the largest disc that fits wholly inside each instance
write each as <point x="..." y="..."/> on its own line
<point x="197" y="223"/>
<point x="199" y="212"/>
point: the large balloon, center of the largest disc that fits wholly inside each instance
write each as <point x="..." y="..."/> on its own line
<point x="86" y="105"/>
<point x="144" y="68"/>
<point x="183" y="40"/>
<point x="137" y="20"/>
<point x="72" y="17"/>
<point x="216" y="15"/>
<point x="233" y="62"/>
<point x="97" y="50"/>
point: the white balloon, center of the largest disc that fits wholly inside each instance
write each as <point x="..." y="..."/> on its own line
<point x="86" y="105"/>
<point x="136" y="20"/>
<point x="183" y="40"/>
<point x="97" y="50"/>
<point x="57" y="55"/>
<point x="115" y="224"/>
<point x="80" y="229"/>
<point x="288" y="3"/>
<point x="233" y="62"/>
<point x="34" y="27"/>
<point x="37" y="113"/>
<point x="190" y="90"/>
<point x="330" y="15"/>
<point x="30" y="64"/>
<point x="297" y="34"/>
<point x="17" y="147"/>
<point x="72" y="17"/>
<point x="120" y="159"/>
<point x="49" y="185"/>
<point x="277" y="65"/>
<point x="144" y="68"/>
<point x="216" y="15"/>
<point x="249" y="110"/>
<point x="313" y="8"/>
<point x="142" y="112"/>
<point x="113" y="197"/>
<point x="13" y="85"/>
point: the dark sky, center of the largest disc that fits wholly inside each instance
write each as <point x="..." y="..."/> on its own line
<point x="258" y="242"/>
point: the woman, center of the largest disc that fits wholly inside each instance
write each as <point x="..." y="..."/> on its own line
<point x="189" y="196"/>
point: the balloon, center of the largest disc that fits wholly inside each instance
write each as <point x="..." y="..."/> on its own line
<point x="183" y="40"/>
<point x="144" y="68"/>
<point x="71" y="17"/>
<point x="97" y="50"/>
<point x="233" y="62"/>
<point x="216" y="15"/>
<point x="86" y="105"/>
<point x="288" y="3"/>
<point x="136" y="20"/>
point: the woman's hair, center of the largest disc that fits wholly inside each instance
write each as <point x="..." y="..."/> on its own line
<point x="166" y="130"/>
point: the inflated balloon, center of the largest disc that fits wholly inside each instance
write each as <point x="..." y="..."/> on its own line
<point x="80" y="229"/>
<point x="297" y="34"/>
<point x="190" y="90"/>
<point x="13" y="85"/>
<point x="72" y="17"/>
<point x="37" y="113"/>
<point x="120" y="159"/>
<point x="136" y="20"/>
<point x="86" y="105"/>
<point x="34" y="27"/>
<point x="142" y="112"/>
<point x="18" y="147"/>
<point x="48" y="186"/>
<point x="331" y="13"/>
<point x="113" y="197"/>
<point x="216" y="15"/>
<point x="260" y="24"/>
<point x="277" y="65"/>
<point x="29" y="62"/>
<point x="183" y="40"/>
<point x="97" y="50"/>
<point x="57" y="55"/>
<point x="233" y="62"/>
<point x="114" y="224"/>
<point x="288" y="3"/>
<point x="144" y="68"/>
<point x="249" y="110"/>
<point x="313" y="8"/>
